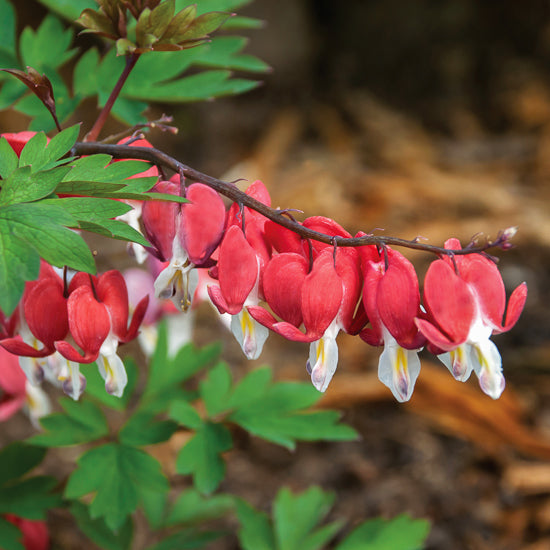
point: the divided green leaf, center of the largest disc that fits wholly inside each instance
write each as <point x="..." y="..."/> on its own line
<point x="81" y="422"/>
<point x="400" y="533"/>
<point x="274" y="411"/>
<point x="28" y="497"/>
<point x="201" y="456"/>
<point x="117" y="475"/>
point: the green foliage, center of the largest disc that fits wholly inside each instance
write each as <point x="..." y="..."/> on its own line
<point x="295" y="521"/>
<point x="294" y="524"/>
<point x="400" y="533"/>
<point x="28" y="497"/>
<point x="166" y="374"/>
<point x="275" y="411"/>
<point x="158" y="76"/>
<point x="35" y="223"/>
<point x="201" y="456"/>
<point x="82" y="422"/>
<point x="98" y="531"/>
<point x="10" y="536"/>
<point x="118" y="475"/>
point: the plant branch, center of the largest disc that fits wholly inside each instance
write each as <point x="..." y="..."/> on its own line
<point x="231" y="191"/>
<point x="93" y="134"/>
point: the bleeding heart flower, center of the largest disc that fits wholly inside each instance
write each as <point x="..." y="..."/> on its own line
<point x="98" y="322"/>
<point x="392" y="302"/>
<point x="464" y="308"/>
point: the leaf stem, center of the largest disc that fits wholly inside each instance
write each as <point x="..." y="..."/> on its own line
<point x="93" y="134"/>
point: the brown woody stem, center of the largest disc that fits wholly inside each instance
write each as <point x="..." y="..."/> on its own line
<point x="231" y="191"/>
<point x="93" y="134"/>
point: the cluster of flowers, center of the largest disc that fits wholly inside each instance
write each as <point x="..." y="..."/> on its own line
<point x="365" y="291"/>
<point x="238" y="259"/>
<point x="92" y="310"/>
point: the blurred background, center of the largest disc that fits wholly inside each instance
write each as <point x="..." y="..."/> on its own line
<point x="417" y="117"/>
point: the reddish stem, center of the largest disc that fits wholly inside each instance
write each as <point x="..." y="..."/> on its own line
<point x="93" y="134"/>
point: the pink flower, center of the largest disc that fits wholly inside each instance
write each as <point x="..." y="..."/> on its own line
<point x="241" y="261"/>
<point x="98" y="322"/>
<point x="464" y="308"/>
<point x="392" y="302"/>
<point x="35" y="533"/>
<point x="185" y="236"/>
<point x="319" y="299"/>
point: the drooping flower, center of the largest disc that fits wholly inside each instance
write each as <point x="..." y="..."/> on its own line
<point x="185" y="236"/>
<point x="242" y="257"/>
<point x="40" y="320"/>
<point x="98" y="322"/>
<point x="392" y="302"/>
<point x="464" y="308"/>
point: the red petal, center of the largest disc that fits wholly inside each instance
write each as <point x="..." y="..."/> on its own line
<point x="283" y="280"/>
<point x="137" y="318"/>
<point x="484" y="277"/>
<point x="237" y="269"/>
<point x="18" y="347"/>
<point x="435" y="336"/>
<point x="324" y="225"/>
<point x="202" y="224"/>
<point x="515" y="307"/>
<point x="347" y="267"/>
<point x="322" y="295"/>
<point x="449" y="302"/>
<point x="111" y="291"/>
<point x="159" y="219"/>
<point x="45" y="310"/>
<point x="89" y="321"/>
<point x="282" y="239"/>
<point x="12" y="378"/>
<point x="398" y="301"/>
<point x="218" y="299"/>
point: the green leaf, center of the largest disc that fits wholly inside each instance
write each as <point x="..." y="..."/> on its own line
<point x="154" y="506"/>
<point x="401" y="533"/>
<point x="82" y="422"/>
<point x="29" y="498"/>
<point x="10" y="535"/>
<point x="201" y="456"/>
<point x="91" y="209"/>
<point x="192" y="507"/>
<point x="273" y="411"/>
<point x="197" y="87"/>
<point x="295" y="518"/>
<point x="184" y="413"/>
<point x="186" y="539"/>
<point x="70" y="9"/>
<point x="98" y="532"/>
<point x="18" y="263"/>
<point x="165" y="374"/>
<point x="144" y="429"/>
<point x="255" y="532"/>
<point x="215" y="390"/>
<point x="23" y="186"/>
<point x="42" y="227"/>
<point x="118" y="475"/>
<point x="7" y="27"/>
<point x="34" y="152"/>
<point x="62" y="142"/>
<point x="17" y="459"/>
<point x="8" y="158"/>
<point x="95" y="386"/>
<point x="48" y="46"/>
